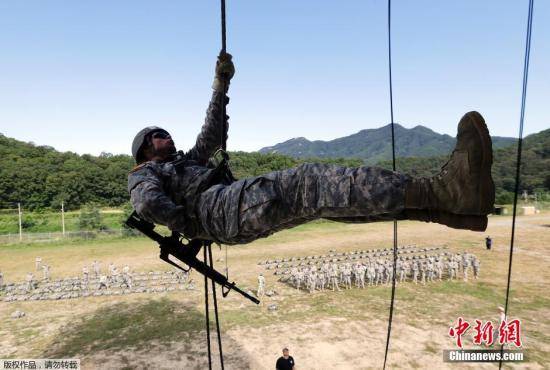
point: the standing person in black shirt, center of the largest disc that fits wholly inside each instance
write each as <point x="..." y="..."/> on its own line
<point x="285" y="362"/>
<point x="488" y="242"/>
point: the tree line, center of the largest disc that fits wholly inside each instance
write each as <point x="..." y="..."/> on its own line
<point x="39" y="177"/>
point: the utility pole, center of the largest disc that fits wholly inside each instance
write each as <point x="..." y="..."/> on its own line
<point x="63" y="218"/>
<point x="20" y="226"/>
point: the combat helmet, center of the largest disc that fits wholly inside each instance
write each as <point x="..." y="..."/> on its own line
<point x="137" y="144"/>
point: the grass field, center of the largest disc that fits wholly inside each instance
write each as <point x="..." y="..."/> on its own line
<point x="337" y="330"/>
<point x="48" y="221"/>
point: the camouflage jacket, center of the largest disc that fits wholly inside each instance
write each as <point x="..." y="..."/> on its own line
<point x="166" y="192"/>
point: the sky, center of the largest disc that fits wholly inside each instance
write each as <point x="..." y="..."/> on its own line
<point x="86" y="76"/>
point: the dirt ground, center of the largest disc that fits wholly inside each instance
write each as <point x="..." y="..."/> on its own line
<point x="324" y="330"/>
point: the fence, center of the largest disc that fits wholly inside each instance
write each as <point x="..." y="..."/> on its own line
<point x="57" y="236"/>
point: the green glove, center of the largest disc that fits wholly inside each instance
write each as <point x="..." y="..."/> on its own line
<point x="224" y="72"/>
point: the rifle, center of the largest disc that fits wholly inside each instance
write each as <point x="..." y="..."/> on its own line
<point x="186" y="253"/>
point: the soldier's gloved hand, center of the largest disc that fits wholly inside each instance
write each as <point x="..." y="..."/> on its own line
<point x="224" y="72"/>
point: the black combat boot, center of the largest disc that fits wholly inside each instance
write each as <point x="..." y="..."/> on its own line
<point x="464" y="187"/>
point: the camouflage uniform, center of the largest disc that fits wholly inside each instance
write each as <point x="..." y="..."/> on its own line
<point x="196" y="200"/>
<point x="96" y="268"/>
<point x="415" y="268"/>
<point x="334" y="277"/>
<point x="261" y="286"/>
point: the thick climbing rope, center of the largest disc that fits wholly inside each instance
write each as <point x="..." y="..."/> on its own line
<point x="395" y="221"/>
<point x="518" y="159"/>
<point x="207" y="311"/>
<point x="216" y="308"/>
<point x="207" y="247"/>
<point x="224" y="45"/>
<point x="223" y="120"/>
<point x="208" y="260"/>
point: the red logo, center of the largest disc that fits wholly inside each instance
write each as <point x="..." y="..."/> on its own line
<point x="509" y="332"/>
<point x="484" y="333"/>
<point x="459" y="330"/>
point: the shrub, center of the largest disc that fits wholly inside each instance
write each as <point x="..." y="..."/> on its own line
<point x="90" y="218"/>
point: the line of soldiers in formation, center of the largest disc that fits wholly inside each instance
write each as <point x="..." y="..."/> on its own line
<point x="114" y="276"/>
<point x="334" y="253"/>
<point x="96" y="283"/>
<point x="379" y="271"/>
<point x="344" y="256"/>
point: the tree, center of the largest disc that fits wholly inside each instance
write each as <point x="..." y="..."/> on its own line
<point x="90" y="218"/>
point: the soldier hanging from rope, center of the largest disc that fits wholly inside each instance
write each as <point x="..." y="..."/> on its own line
<point x="185" y="193"/>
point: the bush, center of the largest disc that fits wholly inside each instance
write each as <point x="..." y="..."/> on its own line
<point x="27" y="223"/>
<point x="504" y="197"/>
<point x="90" y="218"/>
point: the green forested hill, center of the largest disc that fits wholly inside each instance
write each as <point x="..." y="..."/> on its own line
<point x="535" y="166"/>
<point x="374" y="145"/>
<point x="40" y="177"/>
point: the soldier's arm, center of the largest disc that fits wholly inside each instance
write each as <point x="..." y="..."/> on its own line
<point x="151" y="202"/>
<point x="213" y="134"/>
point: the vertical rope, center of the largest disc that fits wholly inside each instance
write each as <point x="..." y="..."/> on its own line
<point x="224" y="47"/>
<point x="216" y="308"/>
<point x="223" y="144"/>
<point x="223" y="25"/>
<point x="207" y="314"/>
<point x="390" y="319"/>
<point x="518" y="159"/>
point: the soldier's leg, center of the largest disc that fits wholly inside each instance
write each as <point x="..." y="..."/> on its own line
<point x="259" y="206"/>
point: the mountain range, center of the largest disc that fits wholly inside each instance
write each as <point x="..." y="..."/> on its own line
<point x="374" y="145"/>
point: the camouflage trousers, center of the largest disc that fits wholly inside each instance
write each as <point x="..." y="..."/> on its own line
<point x="256" y="207"/>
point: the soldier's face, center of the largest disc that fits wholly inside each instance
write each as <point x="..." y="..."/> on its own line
<point x="162" y="145"/>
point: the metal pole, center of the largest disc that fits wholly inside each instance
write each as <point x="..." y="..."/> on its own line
<point x="63" y="218"/>
<point x="20" y="226"/>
